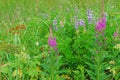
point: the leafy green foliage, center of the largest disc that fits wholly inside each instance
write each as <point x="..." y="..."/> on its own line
<point x="97" y="66"/>
<point x="51" y="67"/>
<point x="81" y="53"/>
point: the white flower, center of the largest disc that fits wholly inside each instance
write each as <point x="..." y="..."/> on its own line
<point x="37" y="43"/>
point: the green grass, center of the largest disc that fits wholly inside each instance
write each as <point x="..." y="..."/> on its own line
<point x="20" y="52"/>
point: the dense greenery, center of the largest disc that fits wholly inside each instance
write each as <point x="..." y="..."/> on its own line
<point x="54" y="40"/>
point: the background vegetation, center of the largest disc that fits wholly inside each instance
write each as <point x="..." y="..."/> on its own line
<point x="26" y="55"/>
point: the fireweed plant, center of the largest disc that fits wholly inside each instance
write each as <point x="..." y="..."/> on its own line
<point x="52" y="40"/>
<point x="59" y="40"/>
<point x="100" y="28"/>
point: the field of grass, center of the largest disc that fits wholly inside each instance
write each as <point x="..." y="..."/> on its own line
<point x="59" y="39"/>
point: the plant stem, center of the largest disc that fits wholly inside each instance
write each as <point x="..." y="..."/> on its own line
<point x="102" y="9"/>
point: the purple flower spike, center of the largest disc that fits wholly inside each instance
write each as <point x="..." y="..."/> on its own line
<point x="90" y="16"/>
<point x="81" y="22"/>
<point x="52" y="42"/>
<point x="76" y="25"/>
<point x="101" y="25"/>
<point x="55" y="24"/>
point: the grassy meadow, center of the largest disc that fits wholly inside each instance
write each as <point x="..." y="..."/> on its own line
<point x="59" y="39"/>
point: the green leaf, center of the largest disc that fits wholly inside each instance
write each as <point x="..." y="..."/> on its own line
<point x="92" y="74"/>
<point x="92" y="66"/>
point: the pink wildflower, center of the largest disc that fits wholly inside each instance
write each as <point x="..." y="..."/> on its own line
<point x="52" y="42"/>
<point x="101" y="24"/>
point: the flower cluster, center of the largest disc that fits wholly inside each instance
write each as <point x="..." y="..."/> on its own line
<point x="79" y="22"/>
<point x="17" y="29"/>
<point x="55" y="24"/>
<point x="76" y="24"/>
<point x="52" y="42"/>
<point x="101" y="25"/>
<point x="90" y="16"/>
